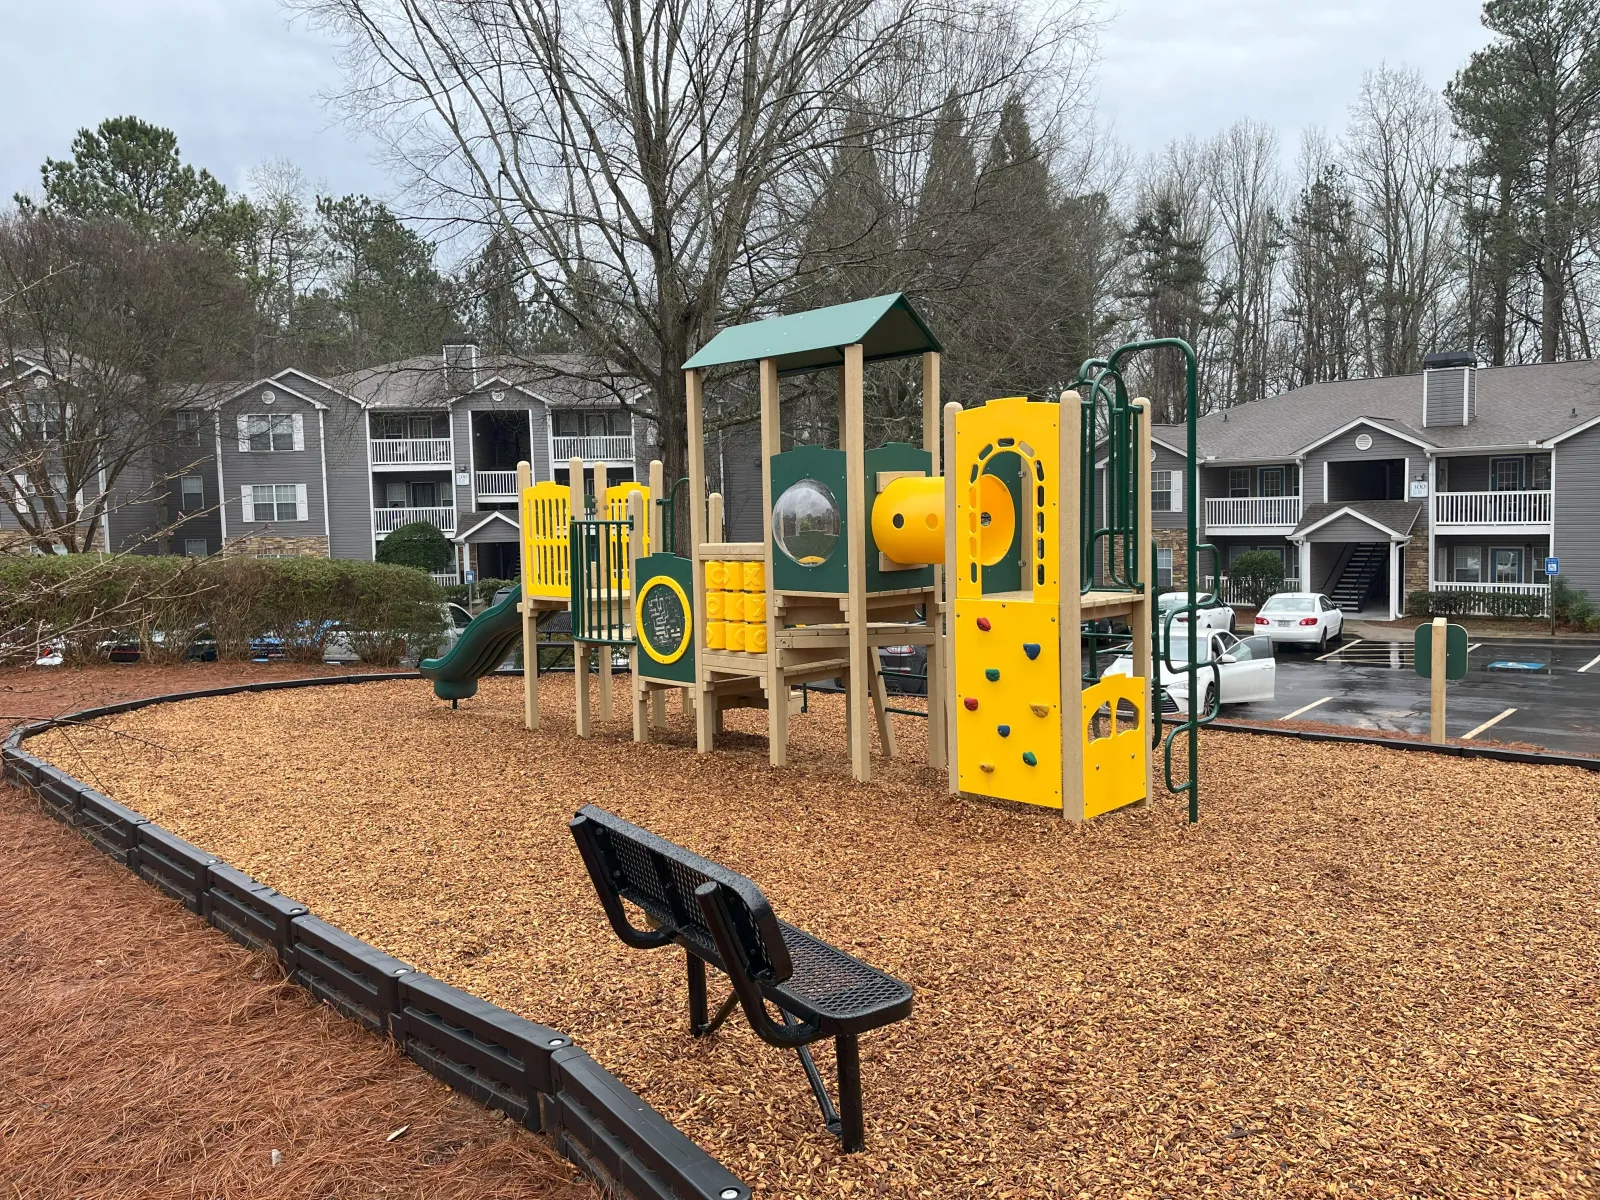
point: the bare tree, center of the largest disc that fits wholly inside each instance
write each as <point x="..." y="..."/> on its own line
<point x="104" y="333"/>
<point x="645" y="160"/>
<point x="1245" y="188"/>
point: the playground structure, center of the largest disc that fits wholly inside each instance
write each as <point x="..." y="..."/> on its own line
<point x="1036" y="525"/>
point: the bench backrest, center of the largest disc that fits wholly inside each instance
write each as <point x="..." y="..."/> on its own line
<point x="660" y="877"/>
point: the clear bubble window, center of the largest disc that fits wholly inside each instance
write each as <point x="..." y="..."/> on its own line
<point x="805" y="522"/>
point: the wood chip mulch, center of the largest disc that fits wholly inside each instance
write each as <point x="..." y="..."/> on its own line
<point x="1365" y="972"/>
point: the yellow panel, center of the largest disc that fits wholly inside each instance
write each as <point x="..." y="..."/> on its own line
<point x="908" y="520"/>
<point x="1015" y="713"/>
<point x="1114" y="767"/>
<point x="546" y="541"/>
<point x="1033" y="430"/>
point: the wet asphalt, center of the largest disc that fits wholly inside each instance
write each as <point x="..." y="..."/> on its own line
<point x="1373" y="686"/>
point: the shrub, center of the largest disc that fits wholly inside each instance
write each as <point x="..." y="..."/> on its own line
<point x="1572" y="607"/>
<point x="165" y="603"/>
<point x="1473" y="602"/>
<point x="1255" y="575"/>
<point x="483" y="589"/>
<point x="418" y="544"/>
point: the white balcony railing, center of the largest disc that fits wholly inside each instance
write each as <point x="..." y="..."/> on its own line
<point x="1491" y="508"/>
<point x="1255" y="512"/>
<point x="1231" y="592"/>
<point x="445" y="578"/>
<point x="1541" y="590"/>
<point x="610" y="447"/>
<point x="496" y="486"/>
<point x="387" y="520"/>
<point x="411" y="452"/>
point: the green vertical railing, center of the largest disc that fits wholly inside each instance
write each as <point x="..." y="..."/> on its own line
<point x="600" y="611"/>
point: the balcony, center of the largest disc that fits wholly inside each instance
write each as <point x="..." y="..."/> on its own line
<point x="1252" y="514"/>
<point x="495" y="487"/>
<point x="393" y="454"/>
<point x="387" y="520"/>
<point x="605" y="448"/>
<point x="1492" y="512"/>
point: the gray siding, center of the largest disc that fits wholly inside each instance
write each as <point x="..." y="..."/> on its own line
<point x="276" y="466"/>
<point x="1443" y="392"/>
<point x="349" y="480"/>
<point x="1166" y="460"/>
<point x="1347" y="529"/>
<point x="461" y="435"/>
<point x="1577" y="509"/>
<point x="1343" y="449"/>
<point x="738" y="469"/>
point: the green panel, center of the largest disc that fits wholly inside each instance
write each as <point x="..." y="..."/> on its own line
<point x="662" y="617"/>
<point x="1455" y="651"/>
<point x="826" y="466"/>
<point x="886" y="326"/>
<point x="896" y="456"/>
<point x="1006" y="575"/>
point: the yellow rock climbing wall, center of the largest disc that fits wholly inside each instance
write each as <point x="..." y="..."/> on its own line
<point x="1008" y="700"/>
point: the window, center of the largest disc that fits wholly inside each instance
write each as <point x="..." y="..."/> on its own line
<point x="188" y="428"/>
<point x="410" y="425"/>
<point x="424" y="495"/>
<point x="1505" y="474"/>
<point x="260" y="433"/>
<point x="44" y="418"/>
<point x="1238" y="482"/>
<point x="1507" y="564"/>
<point x="193" y="490"/>
<point x="1164" y="493"/>
<point x="1272" y="481"/>
<point x="394" y="493"/>
<point x="275" y="502"/>
<point x="1468" y="564"/>
<point x="194" y="548"/>
<point x="1163" y="568"/>
<point x="1540" y="475"/>
<point x="588" y="424"/>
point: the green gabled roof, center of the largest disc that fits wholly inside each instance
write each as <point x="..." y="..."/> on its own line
<point x="886" y="326"/>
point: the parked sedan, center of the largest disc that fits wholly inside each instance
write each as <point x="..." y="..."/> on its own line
<point x="1244" y="667"/>
<point x="1219" y="616"/>
<point x="1301" y="617"/>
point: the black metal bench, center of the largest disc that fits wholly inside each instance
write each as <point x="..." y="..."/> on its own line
<point x="720" y="917"/>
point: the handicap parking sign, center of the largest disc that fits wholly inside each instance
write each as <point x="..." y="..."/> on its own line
<point x="471" y="576"/>
<point x="1552" y="566"/>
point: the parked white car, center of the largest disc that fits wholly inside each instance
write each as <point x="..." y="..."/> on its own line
<point x="1220" y="617"/>
<point x="1301" y="617"/>
<point x="1244" y="666"/>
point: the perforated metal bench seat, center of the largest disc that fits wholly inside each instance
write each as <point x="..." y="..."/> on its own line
<point x="720" y="917"/>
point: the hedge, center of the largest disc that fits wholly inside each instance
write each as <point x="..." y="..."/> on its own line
<point x="165" y="604"/>
<point x="482" y="589"/>
<point x="1474" y="603"/>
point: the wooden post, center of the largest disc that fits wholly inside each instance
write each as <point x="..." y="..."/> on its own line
<point x="530" y="624"/>
<point x="1139" y="621"/>
<point x="1069" y="569"/>
<point x="657" y="525"/>
<point x="855" y="474"/>
<point x="880" y="704"/>
<point x="777" y="685"/>
<point x="704" y="716"/>
<point x="1437" y="680"/>
<point x="715" y="525"/>
<point x="952" y="584"/>
<point x="638" y="513"/>
<point x="935" y="609"/>
<point x="580" y="649"/>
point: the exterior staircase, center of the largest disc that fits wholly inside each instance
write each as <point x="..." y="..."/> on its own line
<point x="1365" y="566"/>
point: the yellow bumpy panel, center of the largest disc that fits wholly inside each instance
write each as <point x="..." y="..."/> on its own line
<point x="546" y="545"/>
<point x="1114" y="771"/>
<point x="1008" y="700"/>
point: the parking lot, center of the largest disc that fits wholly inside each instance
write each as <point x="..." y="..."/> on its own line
<point x="1541" y="694"/>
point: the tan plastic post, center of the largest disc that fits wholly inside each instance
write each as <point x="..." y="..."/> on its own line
<point x="1143" y="531"/>
<point x="777" y="685"/>
<point x="530" y="625"/>
<point x="937" y="661"/>
<point x="657" y="526"/>
<point x="580" y="650"/>
<point x="1069" y="568"/>
<point x="641" y="706"/>
<point x="704" y="702"/>
<point x="603" y="588"/>
<point x="952" y="746"/>
<point x="859" y="681"/>
<point x="1436" y="682"/>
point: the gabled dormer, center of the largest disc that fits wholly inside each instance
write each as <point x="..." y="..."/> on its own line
<point x="1449" y="389"/>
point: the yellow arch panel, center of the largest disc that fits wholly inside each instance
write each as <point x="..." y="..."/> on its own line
<point x="1114" y="771"/>
<point x="1032" y="430"/>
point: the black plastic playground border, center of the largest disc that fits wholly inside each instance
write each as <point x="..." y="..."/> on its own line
<point x="1541" y="758"/>
<point x="530" y="1072"/>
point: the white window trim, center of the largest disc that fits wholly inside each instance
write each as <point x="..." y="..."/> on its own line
<point x="297" y="428"/>
<point x="247" y="503"/>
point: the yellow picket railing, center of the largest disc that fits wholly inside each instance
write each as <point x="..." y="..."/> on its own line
<point x="546" y="541"/>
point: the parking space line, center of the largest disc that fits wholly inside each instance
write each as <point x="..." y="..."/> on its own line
<point x="1590" y="663"/>
<point x="1486" y="724"/>
<point x="1473" y="647"/>
<point x="1324" y="700"/>
<point x="1350" y="645"/>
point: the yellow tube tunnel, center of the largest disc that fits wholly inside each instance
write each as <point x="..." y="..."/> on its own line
<point x="908" y="520"/>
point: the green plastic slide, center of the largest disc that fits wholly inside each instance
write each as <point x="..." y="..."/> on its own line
<point x="484" y="644"/>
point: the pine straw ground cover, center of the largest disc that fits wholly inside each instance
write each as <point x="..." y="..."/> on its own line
<point x="1365" y="972"/>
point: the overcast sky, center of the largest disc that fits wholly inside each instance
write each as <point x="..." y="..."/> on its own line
<point x="240" y="83"/>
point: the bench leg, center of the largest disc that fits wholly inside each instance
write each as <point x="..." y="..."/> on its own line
<point x="852" y="1129"/>
<point x="697" y="995"/>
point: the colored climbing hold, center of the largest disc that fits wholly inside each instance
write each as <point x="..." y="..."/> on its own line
<point x="983" y="624"/>
<point x="992" y="675"/>
<point x="1039" y="710"/>
<point x="986" y="767"/>
<point x="972" y="703"/>
<point x="1031" y="649"/>
<point x="1027" y="757"/>
<point x="1004" y="730"/>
